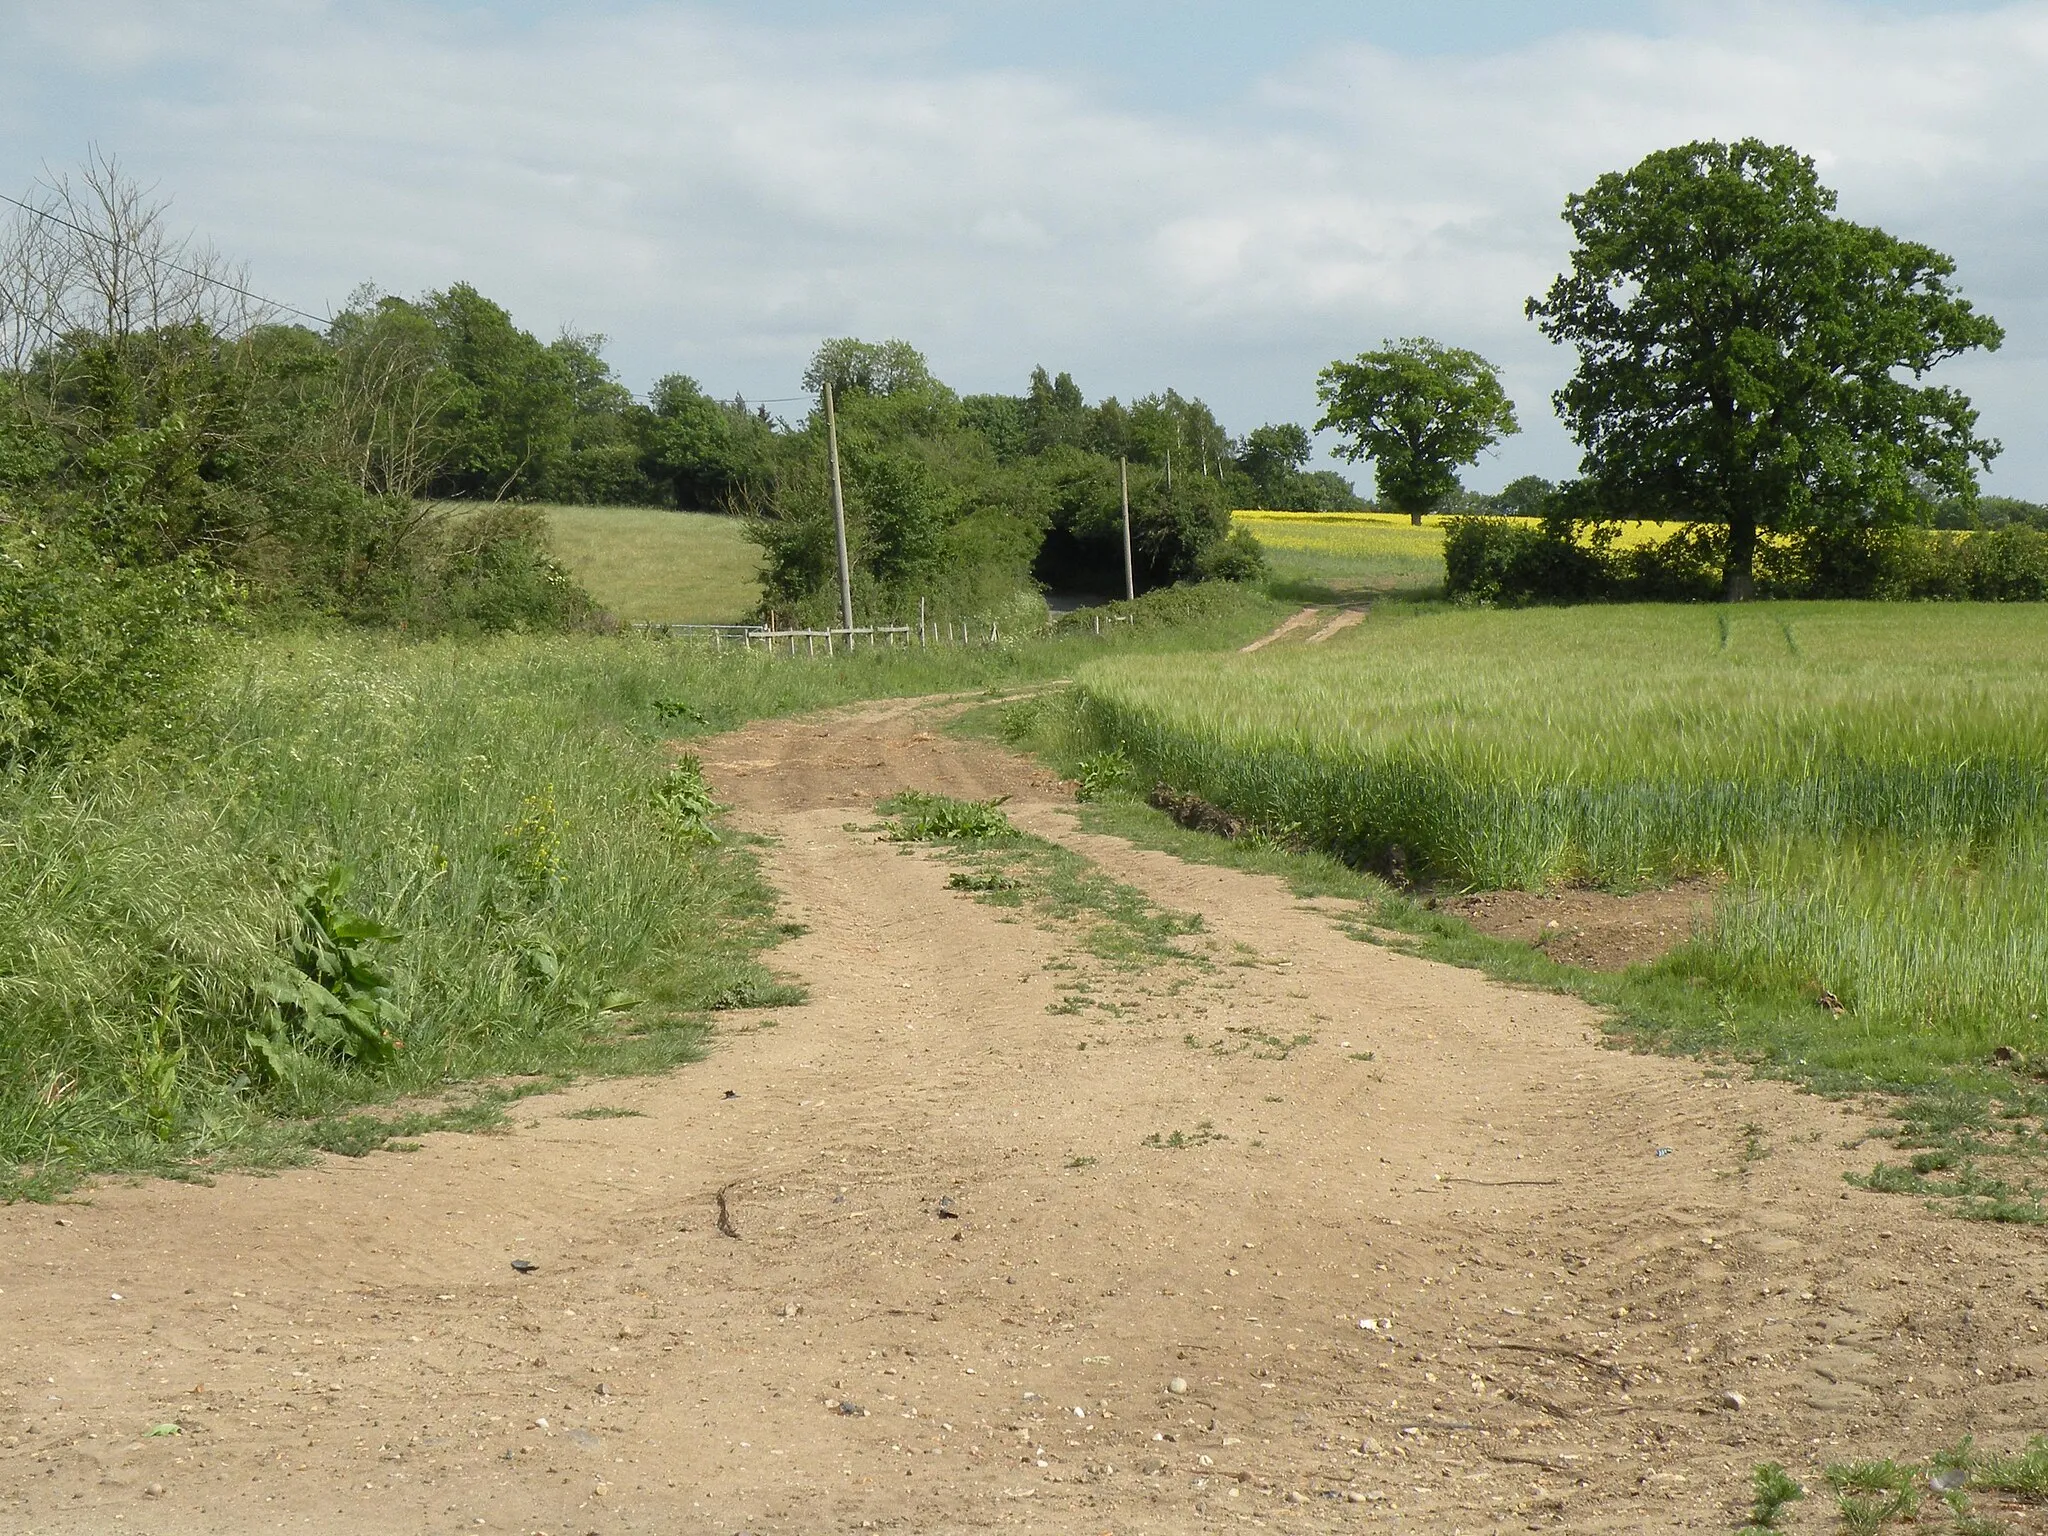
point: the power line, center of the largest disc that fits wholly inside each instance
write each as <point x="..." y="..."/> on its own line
<point x="203" y="277"/>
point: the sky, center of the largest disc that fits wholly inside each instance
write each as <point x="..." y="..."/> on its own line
<point x="1218" y="197"/>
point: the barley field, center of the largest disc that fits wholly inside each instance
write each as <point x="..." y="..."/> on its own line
<point x="1868" y="781"/>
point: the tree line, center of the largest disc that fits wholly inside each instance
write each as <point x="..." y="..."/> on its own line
<point x="1750" y="363"/>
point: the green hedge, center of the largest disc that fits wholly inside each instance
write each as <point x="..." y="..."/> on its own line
<point x="1514" y="561"/>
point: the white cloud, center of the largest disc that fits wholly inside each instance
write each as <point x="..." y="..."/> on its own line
<point x="716" y="196"/>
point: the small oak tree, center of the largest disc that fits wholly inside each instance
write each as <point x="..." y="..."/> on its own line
<point x="1748" y="358"/>
<point x="1419" y="411"/>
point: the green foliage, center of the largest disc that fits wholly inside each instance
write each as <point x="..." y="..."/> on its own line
<point x="1419" y="410"/>
<point x="332" y="1000"/>
<point x="708" y="454"/>
<point x="445" y="396"/>
<point x="161" y="454"/>
<point x="1272" y="455"/>
<point x="1511" y="561"/>
<point x="1239" y="557"/>
<point x="1176" y="530"/>
<point x="1775" y="1489"/>
<point x="492" y="574"/>
<point x="1102" y="773"/>
<point x="1761" y="366"/>
<point x="171" y="977"/>
<point x="880" y="368"/>
<point x="90" y="650"/>
<point x="1271" y="471"/>
<point x="1507" y="561"/>
<point x="1055" y="414"/>
<point x="923" y="818"/>
<point x="512" y="403"/>
<point x="685" y="800"/>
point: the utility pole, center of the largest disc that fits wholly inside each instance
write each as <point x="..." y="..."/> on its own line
<point x="1130" y="582"/>
<point x="839" y="518"/>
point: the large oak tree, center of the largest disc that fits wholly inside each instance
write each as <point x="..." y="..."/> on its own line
<point x="1420" y="411"/>
<point x="1749" y="358"/>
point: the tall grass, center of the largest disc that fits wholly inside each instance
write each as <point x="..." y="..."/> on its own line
<point x="1869" y="779"/>
<point x="494" y="807"/>
<point x="517" y="813"/>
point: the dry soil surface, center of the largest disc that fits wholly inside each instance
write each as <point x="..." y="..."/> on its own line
<point x="1301" y="1232"/>
<point x="1592" y="928"/>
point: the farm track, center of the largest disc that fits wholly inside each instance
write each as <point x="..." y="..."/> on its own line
<point x="1568" y="1253"/>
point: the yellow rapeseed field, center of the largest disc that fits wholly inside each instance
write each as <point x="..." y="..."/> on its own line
<point x="1367" y="533"/>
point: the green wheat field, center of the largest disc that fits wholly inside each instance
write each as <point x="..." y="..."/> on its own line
<point x="1867" y="780"/>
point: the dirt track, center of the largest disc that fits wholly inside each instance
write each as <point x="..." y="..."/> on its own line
<point x="1568" y="1255"/>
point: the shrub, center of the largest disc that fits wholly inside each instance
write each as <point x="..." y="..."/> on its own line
<point x="493" y="574"/>
<point x="2009" y="564"/>
<point x="1479" y="555"/>
<point x="1511" y="561"/>
<point x="89" y="650"/>
<point x="1241" y="557"/>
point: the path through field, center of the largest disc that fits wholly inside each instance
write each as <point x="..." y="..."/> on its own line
<point x="1423" y="1254"/>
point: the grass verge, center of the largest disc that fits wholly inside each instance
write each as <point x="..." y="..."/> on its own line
<point x="353" y="875"/>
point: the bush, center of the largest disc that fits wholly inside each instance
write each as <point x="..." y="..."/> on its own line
<point x="493" y="574"/>
<point x="1514" y="561"/>
<point x="2009" y="564"/>
<point x="1481" y="555"/>
<point x="1511" y="561"/>
<point x="89" y="650"/>
<point x="1241" y="557"/>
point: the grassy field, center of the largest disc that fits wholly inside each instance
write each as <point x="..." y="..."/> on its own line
<point x="649" y="563"/>
<point x="357" y="871"/>
<point x="1869" y="780"/>
<point x="1339" y="556"/>
<point x="1343" y="556"/>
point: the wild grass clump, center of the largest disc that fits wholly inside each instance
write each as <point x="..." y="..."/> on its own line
<point x="356" y="870"/>
<point x="1872" y="783"/>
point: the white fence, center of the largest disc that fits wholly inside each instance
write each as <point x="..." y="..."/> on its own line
<point x="768" y="640"/>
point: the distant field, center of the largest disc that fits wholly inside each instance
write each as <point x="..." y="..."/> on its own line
<point x="650" y="563"/>
<point x="1353" y="554"/>
<point x="1339" y="555"/>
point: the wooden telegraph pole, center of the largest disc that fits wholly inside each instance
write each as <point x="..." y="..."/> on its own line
<point x="839" y="519"/>
<point x="1130" y="581"/>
